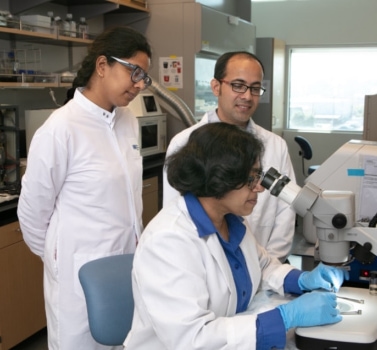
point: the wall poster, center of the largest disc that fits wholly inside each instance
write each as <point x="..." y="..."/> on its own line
<point x="171" y="68"/>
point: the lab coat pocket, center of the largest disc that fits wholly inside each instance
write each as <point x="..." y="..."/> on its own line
<point x="81" y="259"/>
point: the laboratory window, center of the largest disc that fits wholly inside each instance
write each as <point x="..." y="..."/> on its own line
<point x="327" y="87"/>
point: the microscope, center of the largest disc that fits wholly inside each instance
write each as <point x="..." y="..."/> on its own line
<point x="333" y="217"/>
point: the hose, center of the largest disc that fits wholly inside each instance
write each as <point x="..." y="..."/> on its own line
<point x="175" y="102"/>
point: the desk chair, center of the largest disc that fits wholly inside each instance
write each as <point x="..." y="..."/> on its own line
<point x="108" y="293"/>
<point x="305" y="153"/>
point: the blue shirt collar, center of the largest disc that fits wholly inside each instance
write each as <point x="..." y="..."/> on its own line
<point x="205" y="226"/>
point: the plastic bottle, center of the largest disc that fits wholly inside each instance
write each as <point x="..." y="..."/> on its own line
<point x="83" y="28"/>
<point x="67" y="25"/>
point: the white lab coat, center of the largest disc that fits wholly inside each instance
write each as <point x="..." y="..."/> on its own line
<point x="184" y="291"/>
<point x="272" y="220"/>
<point x="80" y="200"/>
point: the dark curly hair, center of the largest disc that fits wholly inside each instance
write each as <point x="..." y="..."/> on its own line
<point x="217" y="158"/>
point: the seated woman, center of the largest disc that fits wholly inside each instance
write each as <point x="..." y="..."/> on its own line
<point x="197" y="266"/>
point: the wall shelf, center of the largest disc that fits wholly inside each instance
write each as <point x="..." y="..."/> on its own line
<point x="40" y="37"/>
<point x="37" y="81"/>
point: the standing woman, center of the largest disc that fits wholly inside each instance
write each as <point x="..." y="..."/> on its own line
<point x="81" y="194"/>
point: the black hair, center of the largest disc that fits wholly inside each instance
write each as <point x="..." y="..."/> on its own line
<point x="119" y="41"/>
<point x="217" y="158"/>
<point x="222" y="61"/>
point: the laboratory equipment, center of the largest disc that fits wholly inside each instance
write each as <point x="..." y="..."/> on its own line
<point x="353" y="167"/>
<point x="152" y="124"/>
<point x="333" y="216"/>
<point x="9" y="150"/>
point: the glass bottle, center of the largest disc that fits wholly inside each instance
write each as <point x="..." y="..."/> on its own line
<point x="67" y="25"/>
<point x="83" y="28"/>
<point x="373" y="283"/>
<point x="52" y="22"/>
<point x="58" y="25"/>
<point x="73" y="28"/>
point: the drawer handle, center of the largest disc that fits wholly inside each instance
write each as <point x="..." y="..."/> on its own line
<point x="147" y="185"/>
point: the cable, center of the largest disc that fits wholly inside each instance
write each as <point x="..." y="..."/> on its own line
<point x="52" y="94"/>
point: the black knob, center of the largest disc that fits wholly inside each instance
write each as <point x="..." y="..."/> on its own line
<point x="339" y="220"/>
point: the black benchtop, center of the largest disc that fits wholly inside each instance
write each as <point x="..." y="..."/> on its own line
<point x="8" y="212"/>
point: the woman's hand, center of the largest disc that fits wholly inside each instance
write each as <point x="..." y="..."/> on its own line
<point x="325" y="277"/>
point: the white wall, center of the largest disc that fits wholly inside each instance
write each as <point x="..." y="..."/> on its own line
<point x="317" y="22"/>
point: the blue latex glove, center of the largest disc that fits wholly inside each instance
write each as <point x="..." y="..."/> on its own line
<point x="323" y="277"/>
<point x="310" y="309"/>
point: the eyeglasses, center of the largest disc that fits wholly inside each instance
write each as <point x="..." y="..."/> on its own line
<point x="137" y="73"/>
<point x="253" y="180"/>
<point x="242" y="88"/>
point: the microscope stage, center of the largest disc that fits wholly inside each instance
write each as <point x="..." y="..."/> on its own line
<point x="355" y="331"/>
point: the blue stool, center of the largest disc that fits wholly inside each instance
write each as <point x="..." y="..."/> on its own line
<point x="305" y="153"/>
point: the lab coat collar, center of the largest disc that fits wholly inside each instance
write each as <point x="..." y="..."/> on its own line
<point x="108" y="117"/>
<point x="213" y="118"/>
<point x="206" y="230"/>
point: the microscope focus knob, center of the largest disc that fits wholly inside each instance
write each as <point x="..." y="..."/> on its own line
<point x="339" y="221"/>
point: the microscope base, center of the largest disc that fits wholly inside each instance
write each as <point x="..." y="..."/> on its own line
<point x="355" y="331"/>
<point x="304" y="343"/>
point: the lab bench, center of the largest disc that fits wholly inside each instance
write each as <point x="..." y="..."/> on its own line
<point x="22" y="311"/>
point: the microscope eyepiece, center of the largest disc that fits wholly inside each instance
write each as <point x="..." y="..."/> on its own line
<point x="269" y="178"/>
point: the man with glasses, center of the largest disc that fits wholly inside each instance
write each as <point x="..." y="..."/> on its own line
<point x="237" y="84"/>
